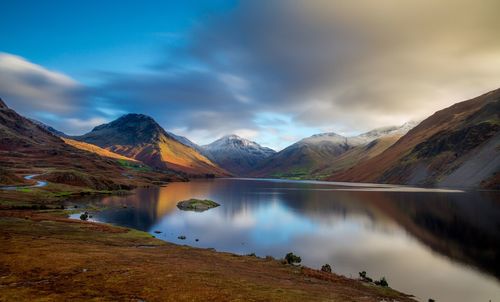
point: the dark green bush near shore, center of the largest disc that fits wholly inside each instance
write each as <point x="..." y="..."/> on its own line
<point x="84" y="216"/>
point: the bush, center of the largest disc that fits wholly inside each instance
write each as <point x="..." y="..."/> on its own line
<point x="382" y="282"/>
<point x="326" y="268"/>
<point x="84" y="216"/>
<point x="290" y="258"/>
<point x="364" y="277"/>
<point x="251" y="255"/>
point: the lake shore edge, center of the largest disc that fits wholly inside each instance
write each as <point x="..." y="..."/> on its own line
<point x="88" y="252"/>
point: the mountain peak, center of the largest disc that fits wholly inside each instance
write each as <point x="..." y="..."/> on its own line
<point x="232" y="137"/>
<point x="328" y="137"/>
<point x="236" y="154"/>
<point x="139" y="122"/>
<point x="129" y="129"/>
<point x="136" y="116"/>
<point x="327" y="134"/>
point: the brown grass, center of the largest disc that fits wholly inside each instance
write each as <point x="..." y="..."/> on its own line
<point x="45" y="257"/>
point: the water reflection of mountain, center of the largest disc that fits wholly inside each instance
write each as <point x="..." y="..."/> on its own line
<point x="464" y="226"/>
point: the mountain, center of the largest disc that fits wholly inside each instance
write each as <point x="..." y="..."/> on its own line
<point x="82" y="145"/>
<point x="315" y="156"/>
<point x="139" y="137"/>
<point x="236" y="154"/>
<point x="27" y="148"/>
<point x="354" y="156"/>
<point x="458" y="147"/>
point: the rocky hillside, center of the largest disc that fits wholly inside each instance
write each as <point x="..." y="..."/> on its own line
<point x="139" y="137"/>
<point x="458" y="147"/>
<point x="236" y="154"/>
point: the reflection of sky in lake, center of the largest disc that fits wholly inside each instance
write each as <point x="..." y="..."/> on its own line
<point x="423" y="242"/>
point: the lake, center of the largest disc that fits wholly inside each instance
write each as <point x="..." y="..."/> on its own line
<point x="440" y="244"/>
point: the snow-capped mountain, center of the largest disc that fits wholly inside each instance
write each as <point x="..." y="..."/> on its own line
<point x="316" y="152"/>
<point x="377" y="133"/>
<point x="236" y="154"/>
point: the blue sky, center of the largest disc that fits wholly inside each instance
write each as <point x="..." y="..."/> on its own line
<point x="272" y="71"/>
<point x="76" y="37"/>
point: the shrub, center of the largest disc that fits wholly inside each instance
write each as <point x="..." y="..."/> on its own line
<point x="84" y="216"/>
<point x="252" y="255"/>
<point x="292" y="259"/>
<point x="364" y="277"/>
<point x="382" y="282"/>
<point x="326" y="268"/>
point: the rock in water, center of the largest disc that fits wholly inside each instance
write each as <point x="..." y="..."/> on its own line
<point x="198" y="205"/>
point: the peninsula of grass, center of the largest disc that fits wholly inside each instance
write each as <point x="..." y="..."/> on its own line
<point x="198" y="205"/>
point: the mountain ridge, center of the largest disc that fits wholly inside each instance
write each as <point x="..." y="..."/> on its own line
<point x="140" y="137"/>
<point x="438" y="147"/>
<point x="311" y="157"/>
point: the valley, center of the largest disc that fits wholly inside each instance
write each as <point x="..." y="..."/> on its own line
<point x="131" y="173"/>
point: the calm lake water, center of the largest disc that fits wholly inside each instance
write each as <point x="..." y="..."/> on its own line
<point x="438" y="244"/>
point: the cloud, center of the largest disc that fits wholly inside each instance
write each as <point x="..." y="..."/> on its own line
<point x="30" y="87"/>
<point x="324" y="64"/>
<point x="327" y="62"/>
<point x="343" y="65"/>
<point x="49" y="96"/>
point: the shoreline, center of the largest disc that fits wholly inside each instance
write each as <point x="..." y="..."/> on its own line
<point x="49" y="232"/>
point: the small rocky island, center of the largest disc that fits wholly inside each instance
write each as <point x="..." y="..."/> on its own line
<point x="198" y="205"/>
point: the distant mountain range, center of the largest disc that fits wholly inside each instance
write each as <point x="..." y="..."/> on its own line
<point x="458" y="146"/>
<point x="236" y="154"/>
<point x="314" y="157"/>
<point x="139" y="137"/>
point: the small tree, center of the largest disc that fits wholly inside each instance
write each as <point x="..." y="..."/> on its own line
<point x="326" y="268"/>
<point x="292" y="259"/>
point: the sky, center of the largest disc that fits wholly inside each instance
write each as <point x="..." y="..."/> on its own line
<point x="272" y="71"/>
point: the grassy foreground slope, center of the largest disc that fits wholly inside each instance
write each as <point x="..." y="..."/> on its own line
<point x="46" y="257"/>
